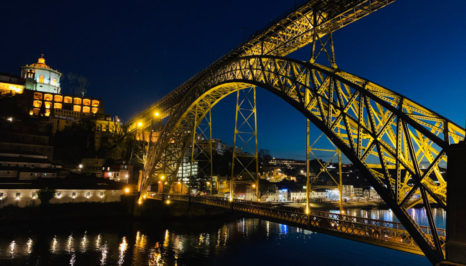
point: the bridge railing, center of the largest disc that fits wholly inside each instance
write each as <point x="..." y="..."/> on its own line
<point x="386" y="233"/>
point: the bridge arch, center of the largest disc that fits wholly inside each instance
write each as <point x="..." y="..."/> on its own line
<point x="397" y="144"/>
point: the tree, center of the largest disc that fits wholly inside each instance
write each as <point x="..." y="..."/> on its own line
<point x="45" y="195"/>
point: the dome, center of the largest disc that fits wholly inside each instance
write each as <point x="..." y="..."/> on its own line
<point x="40" y="63"/>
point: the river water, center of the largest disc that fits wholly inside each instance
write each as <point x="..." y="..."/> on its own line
<point x="234" y="241"/>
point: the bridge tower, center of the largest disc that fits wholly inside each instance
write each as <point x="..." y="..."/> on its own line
<point x="201" y="153"/>
<point x="322" y="51"/>
<point x="245" y="159"/>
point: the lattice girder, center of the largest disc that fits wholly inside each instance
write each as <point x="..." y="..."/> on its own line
<point x="398" y="144"/>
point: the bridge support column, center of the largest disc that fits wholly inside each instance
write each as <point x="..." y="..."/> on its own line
<point x="456" y="200"/>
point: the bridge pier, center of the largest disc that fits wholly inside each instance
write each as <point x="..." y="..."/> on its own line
<point x="456" y="200"/>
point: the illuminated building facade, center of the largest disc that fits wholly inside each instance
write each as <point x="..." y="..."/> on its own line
<point x="11" y="85"/>
<point x="44" y="104"/>
<point x="41" y="77"/>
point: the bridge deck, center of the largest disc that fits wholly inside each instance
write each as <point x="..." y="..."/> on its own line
<point x="377" y="232"/>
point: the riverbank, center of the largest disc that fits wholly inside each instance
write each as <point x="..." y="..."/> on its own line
<point x="326" y="206"/>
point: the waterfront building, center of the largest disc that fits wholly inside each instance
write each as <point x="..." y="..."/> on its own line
<point x="122" y="173"/>
<point x="26" y="195"/>
<point x="26" y="167"/>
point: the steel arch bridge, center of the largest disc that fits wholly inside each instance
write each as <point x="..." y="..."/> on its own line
<point x="399" y="145"/>
<point x="385" y="134"/>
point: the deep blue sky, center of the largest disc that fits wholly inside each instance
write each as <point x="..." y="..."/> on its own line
<point x="134" y="52"/>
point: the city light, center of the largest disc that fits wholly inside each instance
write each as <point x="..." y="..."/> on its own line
<point x="127" y="190"/>
<point x="162" y="177"/>
<point x="254" y="186"/>
<point x="10" y="119"/>
<point x="80" y="166"/>
<point x="168" y="202"/>
<point x="140" y="202"/>
<point x="156" y="114"/>
<point x="139" y="124"/>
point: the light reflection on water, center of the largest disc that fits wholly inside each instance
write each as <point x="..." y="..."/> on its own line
<point x="243" y="241"/>
<point x="418" y="214"/>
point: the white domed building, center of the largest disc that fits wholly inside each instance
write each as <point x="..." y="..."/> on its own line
<point x="41" y="77"/>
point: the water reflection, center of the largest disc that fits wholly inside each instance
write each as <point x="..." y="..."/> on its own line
<point x="164" y="245"/>
<point x="418" y="214"/>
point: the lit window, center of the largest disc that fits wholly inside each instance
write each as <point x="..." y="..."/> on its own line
<point x="95" y="103"/>
<point x="48" y="97"/>
<point x="86" y="102"/>
<point x="47" y="105"/>
<point x="36" y="111"/>
<point x="58" y="98"/>
<point x="77" y="100"/>
<point x="37" y="96"/>
<point x="47" y="112"/>
<point x="37" y="103"/>
<point x="77" y="108"/>
<point x="57" y="105"/>
<point x="94" y="110"/>
<point x="54" y="82"/>
<point x="86" y="109"/>
<point x="68" y="99"/>
<point x="41" y="79"/>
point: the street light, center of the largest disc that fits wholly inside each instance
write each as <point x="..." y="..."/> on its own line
<point x="162" y="177"/>
<point x="140" y="124"/>
<point x="156" y="114"/>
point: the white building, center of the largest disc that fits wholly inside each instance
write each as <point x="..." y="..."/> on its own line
<point x="41" y="77"/>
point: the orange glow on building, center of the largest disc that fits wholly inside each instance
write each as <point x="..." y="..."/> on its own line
<point x="86" y="109"/>
<point x="95" y="103"/>
<point x="48" y="97"/>
<point x="94" y="110"/>
<point x="68" y="99"/>
<point x="57" y="106"/>
<point x="58" y="98"/>
<point x="37" y="103"/>
<point x="47" y="105"/>
<point x="11" y="88"/>
<point x="37" y="96"/>
<point x="77" y="108"/>
<point x="77" y="100"/>
<point x="47" y="112"/>
<point x="86" y="102"/>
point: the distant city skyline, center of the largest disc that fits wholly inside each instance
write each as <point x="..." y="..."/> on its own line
<point x="133" y="55"/>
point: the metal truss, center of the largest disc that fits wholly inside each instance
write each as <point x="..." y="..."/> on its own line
<point x="335" y="152"/>
<point x="398" y="144"/>
<point x="282" y="37"/>
<point x="245" y="156"/>
<point x="202" y="151"/>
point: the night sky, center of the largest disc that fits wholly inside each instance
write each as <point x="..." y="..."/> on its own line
<point x="134" y="52"/>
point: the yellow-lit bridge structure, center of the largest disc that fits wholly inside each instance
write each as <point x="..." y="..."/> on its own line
<point x="399" y="145"/>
